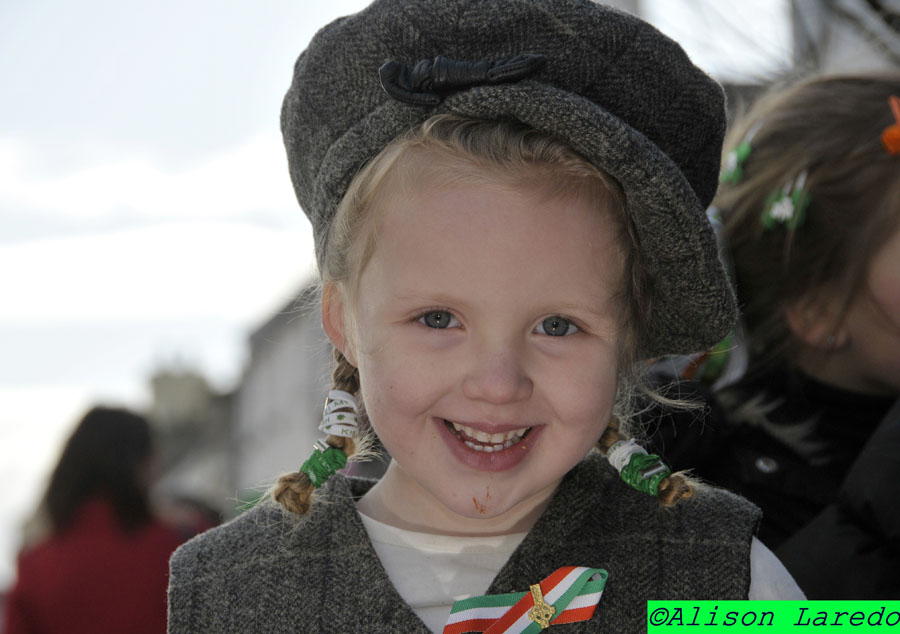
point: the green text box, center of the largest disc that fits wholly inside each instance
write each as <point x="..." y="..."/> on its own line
<point x="773" y="617"/>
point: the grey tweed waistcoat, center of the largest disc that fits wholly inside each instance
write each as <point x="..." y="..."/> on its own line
<point x="268" y="571"/>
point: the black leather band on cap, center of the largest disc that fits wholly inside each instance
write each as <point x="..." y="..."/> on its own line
<point x="426" y="83"/>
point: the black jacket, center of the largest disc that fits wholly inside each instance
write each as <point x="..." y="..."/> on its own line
<point x="851" y="550"/>
<point x="810" y="456"/>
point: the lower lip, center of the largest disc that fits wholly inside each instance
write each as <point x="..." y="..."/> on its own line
<point x="483" y="461"/>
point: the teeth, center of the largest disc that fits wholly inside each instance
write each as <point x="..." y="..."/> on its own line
<point x="490" y="442"/>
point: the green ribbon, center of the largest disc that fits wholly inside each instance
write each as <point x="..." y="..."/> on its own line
<point x="717" y="359"/>
<point x="632" y="475"/>
<point x="321" y="465"/>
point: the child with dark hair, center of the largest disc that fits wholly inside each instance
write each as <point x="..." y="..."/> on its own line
<point x="103" y="566"/>
<point x="508" y="201"/>
<point x="810" y="206"/>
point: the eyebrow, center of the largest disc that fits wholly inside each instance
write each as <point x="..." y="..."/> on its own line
<point x="428" y="298"/>
<point x="577" y="306"/>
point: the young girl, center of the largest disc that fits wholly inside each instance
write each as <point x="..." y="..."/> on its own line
<point x="500" y="192"/>
<point x="811" y="212"/>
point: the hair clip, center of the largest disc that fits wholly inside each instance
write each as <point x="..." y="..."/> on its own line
<point x="787" y="206"/>
<point x="324" y="462"/>
<point x="636" y="467"/>
<point x="891" y="135"/>
<point x="733" y="169"/>
<point x="339" y="418"/>
<point x="341" y="414"/>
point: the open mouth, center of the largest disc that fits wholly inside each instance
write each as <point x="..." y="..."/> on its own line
<point x="485" y="442"/>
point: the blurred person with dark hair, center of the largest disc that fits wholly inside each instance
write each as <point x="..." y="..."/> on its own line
<point x="103" y="564"/>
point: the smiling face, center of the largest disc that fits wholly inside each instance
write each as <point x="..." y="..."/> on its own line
<point x="487" y="337"/>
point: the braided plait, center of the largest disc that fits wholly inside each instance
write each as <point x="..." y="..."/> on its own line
<point x="294" y="490"/>
<point x="344" y="376"/>
<point x="672" y="488"/>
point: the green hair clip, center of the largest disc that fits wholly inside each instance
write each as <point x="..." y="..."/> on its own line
<point x="733" y="170"/>
<point x="644" y="472"/>
<point x="788" y="205"/>
<point x="636" y="467"/>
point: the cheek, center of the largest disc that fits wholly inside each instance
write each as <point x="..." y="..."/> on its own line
<point x="875" y="317"/>
<point x="884" y="291"/>
<point x="884" y="281"/>
<point x="394" y="390"/>
<point x="586" y="392"/>
<point x="874" y="328"/>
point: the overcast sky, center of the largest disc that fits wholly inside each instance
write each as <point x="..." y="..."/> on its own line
<point x="146" y="215"/>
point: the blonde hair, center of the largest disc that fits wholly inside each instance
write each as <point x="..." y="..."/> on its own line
<point x="460" y="149"/>
<point x="829" y="127"/>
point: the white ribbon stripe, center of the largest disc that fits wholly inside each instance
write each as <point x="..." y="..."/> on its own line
<point x="340" y="423"/>
<point x="344" y="398"/>
<point x="619" y="455"/>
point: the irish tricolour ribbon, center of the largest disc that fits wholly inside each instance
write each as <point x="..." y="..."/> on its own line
<point x="568" y="595"/>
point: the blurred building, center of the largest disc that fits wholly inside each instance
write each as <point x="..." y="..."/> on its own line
<point x="278" y="404"/>
<point x="223" y="450"/>
<point x="193" y="427"/>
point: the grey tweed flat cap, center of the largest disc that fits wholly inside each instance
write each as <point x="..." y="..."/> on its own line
<point x="618" y="91"/>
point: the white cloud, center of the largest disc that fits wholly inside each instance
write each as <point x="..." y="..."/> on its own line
<point x="167" y="271"/>
<point x="252" y="176"/>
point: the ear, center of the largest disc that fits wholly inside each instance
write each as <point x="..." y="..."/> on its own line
<point x="333" y="322"/>
<point x="817" y="322"/>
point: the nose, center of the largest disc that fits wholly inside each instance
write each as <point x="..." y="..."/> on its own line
<point x="498" y="378"/>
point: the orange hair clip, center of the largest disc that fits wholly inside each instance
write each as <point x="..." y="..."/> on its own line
<point x="891" y="135"/>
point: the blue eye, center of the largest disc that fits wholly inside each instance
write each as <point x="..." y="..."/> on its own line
<point x="439" y="319"/>
<point x="557" y="326"/>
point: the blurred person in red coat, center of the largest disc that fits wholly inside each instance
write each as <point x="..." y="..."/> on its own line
<point x="103" y="566"/>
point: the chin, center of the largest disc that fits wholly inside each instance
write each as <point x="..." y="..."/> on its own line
<point x="488" y="502"/>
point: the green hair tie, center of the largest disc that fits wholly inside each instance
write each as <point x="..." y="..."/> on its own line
<point x="321" y="465"/>
<point x="634" y="472"/>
